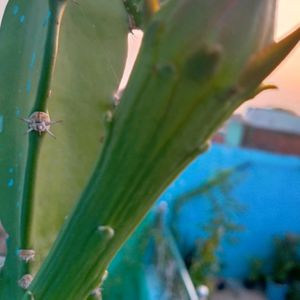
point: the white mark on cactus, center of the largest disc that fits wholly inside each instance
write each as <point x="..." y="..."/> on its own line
<point x="117" y="96"/>
<point x="105" y="275"/>
<point x="107" y="230"/>
<point x="15" y="9"/>
<point x="40" y="122"/>
<point x="25" y="281"/>
<point x="1" y="123"/>
<point x="109" y="116"/>
<point x="96" y="293"/>
<point x="26" y="254"/>
<point x="18" y="112"/>
<point x="47" y="18"/>
<point x="32" y="61"/>
<point x="29" y="295"/>
<point x="10" y="183"/>
<point x="22" y="19"/>
<point x="3" y="247"/>
<point x="28" y="86"/>
<point x="2" y="261"/>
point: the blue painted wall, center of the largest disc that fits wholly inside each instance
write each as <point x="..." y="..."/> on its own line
<point x="269" y="189"/>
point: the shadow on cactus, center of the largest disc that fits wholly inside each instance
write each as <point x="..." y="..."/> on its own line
<point x="198" y="62"/>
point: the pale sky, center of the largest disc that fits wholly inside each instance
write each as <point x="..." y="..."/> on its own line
<point x="286" y="77"/>
<point x="2" y="5"/>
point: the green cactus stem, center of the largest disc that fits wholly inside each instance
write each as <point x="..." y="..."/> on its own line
<point x="43" y="92"/>
<point x="186" y="83"/>
<point x="93" y="41"/>
<point x="26" y="58"/>
<point x="90" y="62"/>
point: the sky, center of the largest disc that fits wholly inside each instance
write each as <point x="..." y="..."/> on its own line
<point x="286" y="76"/>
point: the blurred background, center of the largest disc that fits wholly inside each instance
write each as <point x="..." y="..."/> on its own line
<point x="229" y="226"/>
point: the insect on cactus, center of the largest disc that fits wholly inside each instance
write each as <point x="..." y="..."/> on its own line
<point x="198" y="62"/>
<point x="40" y="121"/>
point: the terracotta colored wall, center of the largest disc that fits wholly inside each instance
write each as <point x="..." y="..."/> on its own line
<point x="273" y="141"/>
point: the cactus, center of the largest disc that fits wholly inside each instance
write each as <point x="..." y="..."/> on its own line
<point x="195" y="67"/>
<point x="90" y="29"/>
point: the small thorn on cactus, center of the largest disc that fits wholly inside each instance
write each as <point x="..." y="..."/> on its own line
<point x="26" y="254"/>
<point x="25" y="281"/>
<point x="108" y="116"/>
<point x="204" y="147"/>
<point x="107" y="231"/>
<point x="28" y="296"/>
<point x="117" y="96"/>
<point x="105" y="274"/>
<point x="96" y="294"/>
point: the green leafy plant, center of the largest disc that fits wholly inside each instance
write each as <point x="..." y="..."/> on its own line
<point x="198" y="62"/>
<point x="218" y="226"/>
<point x="256" y="277"/>
<point x="285" y="263"/>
